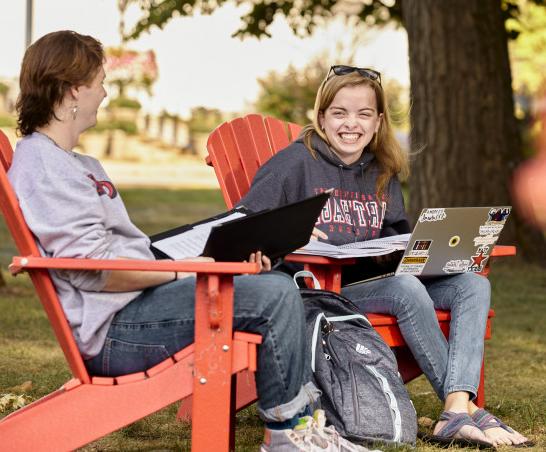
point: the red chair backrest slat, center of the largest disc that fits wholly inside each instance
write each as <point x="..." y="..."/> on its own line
<point x="239" y="147"/>
<point x="26" y="244"/>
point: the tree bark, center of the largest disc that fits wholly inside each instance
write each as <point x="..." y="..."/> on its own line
<point x="462" y="111"/>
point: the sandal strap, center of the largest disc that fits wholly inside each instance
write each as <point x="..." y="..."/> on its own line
<point x="485" y="420"/>
<point x="455" y="421"/>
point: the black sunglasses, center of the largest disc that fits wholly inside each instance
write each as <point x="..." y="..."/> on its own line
<point x="364" y="72"/>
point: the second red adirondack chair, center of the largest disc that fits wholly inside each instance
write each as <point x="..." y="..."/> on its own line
<point x="236" y="150"/>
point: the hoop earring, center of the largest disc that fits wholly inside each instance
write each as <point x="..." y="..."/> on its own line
<point x="74" y="111"/>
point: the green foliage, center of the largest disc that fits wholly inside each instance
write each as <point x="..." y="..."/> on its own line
<point x="3" y="89"/>
<point x="291" y="95"/>
<point x="7" y="121"/>
<point x="528" y="51"/>
<point x="124" y="102"/>
<point x="129" y="127"/>
<point x="302" y="15"/>
<point x="204" y="120"/>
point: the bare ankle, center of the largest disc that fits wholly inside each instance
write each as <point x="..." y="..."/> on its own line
<point x="457" y="402"/>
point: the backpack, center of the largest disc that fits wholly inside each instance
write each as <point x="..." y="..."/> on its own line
<point x="363" y="394"/>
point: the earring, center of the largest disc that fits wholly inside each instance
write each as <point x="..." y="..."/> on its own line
<point x="74" y="111"/>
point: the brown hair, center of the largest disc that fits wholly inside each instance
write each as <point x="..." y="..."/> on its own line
<point x="51" y="66"/>
<point x="392" y="159"/>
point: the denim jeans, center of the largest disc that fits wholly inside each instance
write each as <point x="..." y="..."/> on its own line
<point x="452" y="365"/>
<point x="160" y="322"/>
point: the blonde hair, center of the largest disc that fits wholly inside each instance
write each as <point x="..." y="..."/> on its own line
<point x="392" y="159"/>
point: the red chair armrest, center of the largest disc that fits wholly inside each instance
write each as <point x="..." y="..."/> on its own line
<point x="23" y="263"/>
<point x="503" y="250"/>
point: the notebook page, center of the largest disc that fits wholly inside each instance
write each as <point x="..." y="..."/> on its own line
<point x="192" y="242"/>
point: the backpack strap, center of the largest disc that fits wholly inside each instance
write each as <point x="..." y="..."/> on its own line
<point x="307" y="274"/>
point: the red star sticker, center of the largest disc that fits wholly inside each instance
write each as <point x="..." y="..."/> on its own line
<point x="478" y="260"/>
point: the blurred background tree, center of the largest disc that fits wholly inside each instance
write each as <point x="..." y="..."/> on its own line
<point x="290" y="95"/>
<point x="126" y="70"/>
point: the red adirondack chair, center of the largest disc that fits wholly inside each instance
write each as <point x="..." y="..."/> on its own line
<point x="236" y="149"/>
<point x="87" y="407"/>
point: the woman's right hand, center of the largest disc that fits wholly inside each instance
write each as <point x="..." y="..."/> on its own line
<point x="262" y="260"/>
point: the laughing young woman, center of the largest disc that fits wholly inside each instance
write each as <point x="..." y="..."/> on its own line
<point x="350" y="146"/>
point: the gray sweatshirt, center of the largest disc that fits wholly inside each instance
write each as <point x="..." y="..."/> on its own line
<point x="353" y="213"/>
<point x="74" y="211"/>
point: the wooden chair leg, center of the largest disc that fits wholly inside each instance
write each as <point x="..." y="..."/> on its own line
<point x="212" y="364"/>
<point x="480" y="397"/>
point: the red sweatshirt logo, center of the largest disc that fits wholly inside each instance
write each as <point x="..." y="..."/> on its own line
<point x="353" y="213"/>
<point x="104" y="187"/>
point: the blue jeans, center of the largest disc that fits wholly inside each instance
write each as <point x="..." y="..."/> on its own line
<point x="452" y="365"/>
<point x="160" y="322"/>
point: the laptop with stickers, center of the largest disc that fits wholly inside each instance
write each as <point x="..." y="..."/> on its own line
<point x="454" y="240"/>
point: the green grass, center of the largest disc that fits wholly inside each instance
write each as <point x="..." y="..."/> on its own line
<point x="515" y="356"/>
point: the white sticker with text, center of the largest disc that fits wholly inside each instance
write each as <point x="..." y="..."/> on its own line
<point x="456" y="266"/>
<point x="432" y="215"/>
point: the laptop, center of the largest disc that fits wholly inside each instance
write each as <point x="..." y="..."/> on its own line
<point x="448" y="241"/>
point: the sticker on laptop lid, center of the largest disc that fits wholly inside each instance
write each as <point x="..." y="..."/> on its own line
<point x="495" y="221"/>
<point x="420" y="248"/>
<point x="491" y="229"/>
<point x="412" y="265"/>
<point x="478" y="262"/>
<point x="484" y="240"/>
<point x="456" y="266"/>
<point x="498" y="215"/>
<point x="432" y="215"/>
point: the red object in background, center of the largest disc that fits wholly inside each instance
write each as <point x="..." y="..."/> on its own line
<point x="529" y="190"/>
<point x="529" y="184"/>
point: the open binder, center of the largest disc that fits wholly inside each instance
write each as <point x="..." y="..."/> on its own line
<point x="276" y="233"/>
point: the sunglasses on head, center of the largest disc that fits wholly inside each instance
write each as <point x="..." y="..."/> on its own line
<point x="364" y="72"/>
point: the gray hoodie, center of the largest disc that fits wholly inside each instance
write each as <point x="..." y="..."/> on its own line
<point x="353" y="213"/>
<point x="75" y="211"/>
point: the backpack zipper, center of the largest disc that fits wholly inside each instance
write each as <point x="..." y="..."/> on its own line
<point x="356" y="408"/>
<point x="391" y="400"/>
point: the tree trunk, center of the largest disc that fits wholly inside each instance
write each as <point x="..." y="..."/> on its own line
<point x="462" y="111"/>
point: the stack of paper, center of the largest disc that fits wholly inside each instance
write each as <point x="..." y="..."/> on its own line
<point x="376" y="247"/>
<point x="191" y="242"/>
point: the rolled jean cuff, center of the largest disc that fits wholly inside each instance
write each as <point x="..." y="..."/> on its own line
<point x="472" y="390"/>
<point x="308" y="394"/>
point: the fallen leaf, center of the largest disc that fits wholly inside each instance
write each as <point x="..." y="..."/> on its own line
<point x="425" y="422"/>
<point x="23" y="387"/>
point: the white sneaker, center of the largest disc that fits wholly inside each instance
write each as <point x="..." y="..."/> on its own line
<point x="310" y="435"/>
<point x="336" y="441"/>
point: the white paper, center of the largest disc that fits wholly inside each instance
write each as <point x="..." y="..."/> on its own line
<point x="376" y="247"/>
<point x="191" y="243"/>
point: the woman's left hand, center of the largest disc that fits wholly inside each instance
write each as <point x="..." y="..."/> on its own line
<point x="262" y="260"/>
